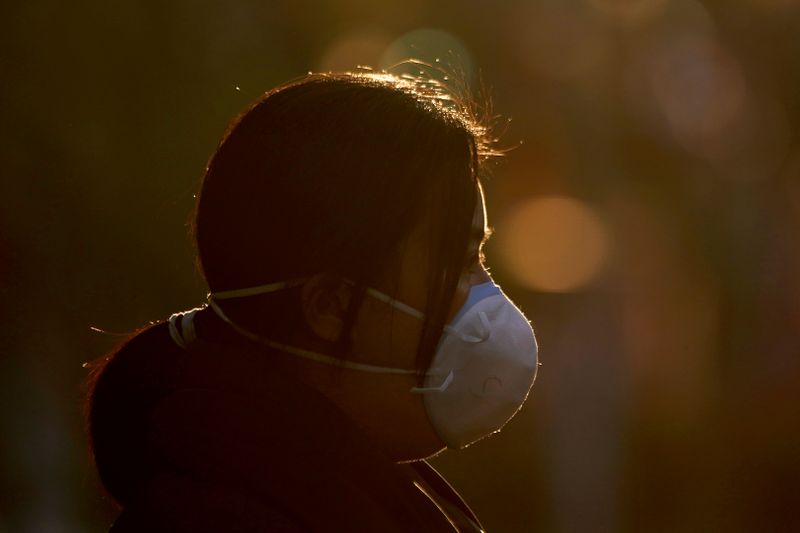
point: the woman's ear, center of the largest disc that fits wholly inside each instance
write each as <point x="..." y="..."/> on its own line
<point x="325" y="301"/>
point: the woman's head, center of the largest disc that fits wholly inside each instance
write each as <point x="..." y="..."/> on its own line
<point x="351" y="183"/>
<point x="333" y="174"/>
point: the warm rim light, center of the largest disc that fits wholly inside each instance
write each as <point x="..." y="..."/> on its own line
<point x="553" y="244"/>
<point x="431" y="45"/>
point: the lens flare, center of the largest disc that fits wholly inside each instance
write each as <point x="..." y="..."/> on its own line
<point x="363" y="47"/>
<point x="553" y="244"/>
<point x="432" y="46"/>
<point x="700" y="90"/>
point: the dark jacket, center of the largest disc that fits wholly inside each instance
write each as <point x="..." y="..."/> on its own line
<point x="217" y="439"/>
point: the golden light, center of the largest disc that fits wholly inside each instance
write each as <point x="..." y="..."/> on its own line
<point x="630" y="12"/>
<point x="559" y="42"/>
<point x="360" y="48"/>
<point x="775" y="4"/>
<point x="553" y="244"/>
<point x="433" y="46"/>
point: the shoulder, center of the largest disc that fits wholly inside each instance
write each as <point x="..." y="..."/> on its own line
<point x="217" y="438"/>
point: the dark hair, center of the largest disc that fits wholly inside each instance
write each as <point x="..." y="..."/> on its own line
<point x="326" y="174"/>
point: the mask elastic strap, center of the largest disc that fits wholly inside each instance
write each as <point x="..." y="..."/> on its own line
<point x="440" y="388"/>
<point x="407" y="309"/>
<point x="307" y="354"/>
<point x="397" y="304"/>
<point x="278" y="285"/>
<point x="258" y="289"/>
<point x="314" y="356"/>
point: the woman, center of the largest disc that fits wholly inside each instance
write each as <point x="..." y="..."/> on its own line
<point x="351" y="329"/>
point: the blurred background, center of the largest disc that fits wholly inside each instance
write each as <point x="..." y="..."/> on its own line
<point x="646" y="221"/>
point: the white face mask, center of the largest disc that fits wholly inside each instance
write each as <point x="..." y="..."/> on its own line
<point x="479" y="377"/>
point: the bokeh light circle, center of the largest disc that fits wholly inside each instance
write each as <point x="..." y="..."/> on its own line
<point x="701" y="91"/>
<point x="433" y="46"/>
<point x="363" y="47"/>
<point x="553" y="243"/>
